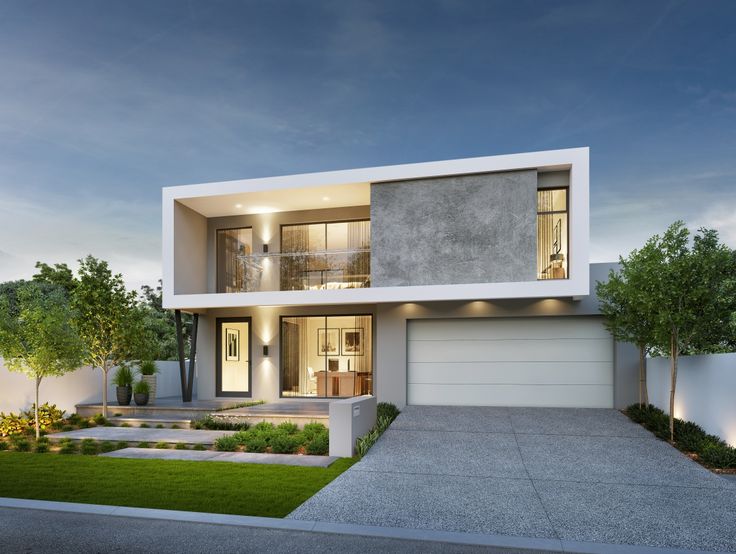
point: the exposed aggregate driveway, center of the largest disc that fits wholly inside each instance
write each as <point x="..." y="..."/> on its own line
<point x="586" y="475"/>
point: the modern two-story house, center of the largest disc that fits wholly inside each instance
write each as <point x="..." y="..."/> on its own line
<point x="461" y="282"/>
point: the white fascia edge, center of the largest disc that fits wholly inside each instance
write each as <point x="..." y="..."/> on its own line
<point x="574" y="158"/>
<point x="429" y="293"/>
<point x="509" y="162"/>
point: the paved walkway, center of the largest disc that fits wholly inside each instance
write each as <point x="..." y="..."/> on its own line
<point x="561" y="474"/>
<point x="212" y="456"/>
<point x="136" y="434"/>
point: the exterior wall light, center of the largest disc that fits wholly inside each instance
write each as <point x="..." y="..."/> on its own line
<point x="265" y="248"/>
<point x="265" y="351"/>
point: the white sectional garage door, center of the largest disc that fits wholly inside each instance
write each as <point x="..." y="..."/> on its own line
<point x="542" y="361"/>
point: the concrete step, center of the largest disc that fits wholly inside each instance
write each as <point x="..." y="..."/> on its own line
<point x="151" y="421"/>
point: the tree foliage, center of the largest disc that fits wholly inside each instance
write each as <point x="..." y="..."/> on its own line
<point x="37" y="336"/>
<point x="675" y="297"/>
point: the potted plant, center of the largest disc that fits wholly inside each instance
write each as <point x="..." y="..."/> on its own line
<point x="148" y="371"/>
<point x="123" y="381"/>
<point x="140" y="393"/>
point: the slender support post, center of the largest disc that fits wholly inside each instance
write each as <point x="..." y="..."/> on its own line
<point x="180" y="345"/>
<point x="192" y="357"/>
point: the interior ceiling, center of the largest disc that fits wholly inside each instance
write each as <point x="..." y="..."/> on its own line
<point x="281" y="200"/>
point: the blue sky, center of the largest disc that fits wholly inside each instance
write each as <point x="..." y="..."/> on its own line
<point x="103" y="103"/>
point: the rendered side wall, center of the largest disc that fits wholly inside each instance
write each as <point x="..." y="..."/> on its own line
<point x="79" y="387"/>
<point x="705" y="393"/>
<point x="190" y="251"/>
<point x="454" y="230"/>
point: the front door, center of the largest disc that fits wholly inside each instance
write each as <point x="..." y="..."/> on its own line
<point x="233" y="356"/>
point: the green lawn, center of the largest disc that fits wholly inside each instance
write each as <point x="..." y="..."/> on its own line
<point x="222" y="487"/>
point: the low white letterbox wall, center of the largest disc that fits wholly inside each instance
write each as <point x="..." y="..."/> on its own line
<point x="349" y="419"/>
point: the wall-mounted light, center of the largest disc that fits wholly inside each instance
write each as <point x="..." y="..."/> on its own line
<point x="265" y="248"/>
<point x="265" y="351"/>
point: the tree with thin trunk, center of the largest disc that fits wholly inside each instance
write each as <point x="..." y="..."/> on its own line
<point x="626" y="303"/>
<point x="695" y="296"/>
<point x="107" y="320"/>
<point x="37" y="335"/>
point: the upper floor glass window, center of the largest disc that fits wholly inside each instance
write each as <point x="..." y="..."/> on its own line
<point x="231" y="272"/>
<point x="326" y="255"/>
<point x="552" y="233"/>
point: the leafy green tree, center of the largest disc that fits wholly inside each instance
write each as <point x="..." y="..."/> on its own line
<point x="58" y="274"/>
<point x="107" y="318"/>
<point x="695" y="296"/>
<point x="37" y="335"/>
<point x="160" y="323"/>
<point x="626" y="303"/>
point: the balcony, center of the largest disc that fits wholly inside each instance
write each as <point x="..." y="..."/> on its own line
<point x="314" y="270"/>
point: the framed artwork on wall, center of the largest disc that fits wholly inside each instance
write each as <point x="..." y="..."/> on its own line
<point x="232" y="345"/>
<point x="352" y="343"/>
<point x="328" y="342"/>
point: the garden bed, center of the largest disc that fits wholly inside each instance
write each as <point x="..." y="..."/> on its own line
<point x="708" y="450"/>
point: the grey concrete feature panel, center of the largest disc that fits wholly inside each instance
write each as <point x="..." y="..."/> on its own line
<point x="267" y="230"/>
<point x="190" y="251"/>
<point x="350" y="419"/>
<point x="454" y="230"/>
<point x="391" y="323"/>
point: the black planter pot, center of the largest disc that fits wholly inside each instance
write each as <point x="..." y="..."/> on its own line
<point x="141" y="398"/>
<point x="124" y="395"/>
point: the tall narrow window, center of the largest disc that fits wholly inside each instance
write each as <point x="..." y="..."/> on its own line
<point x="326" y="255"/>
<point x="552" y="239"/>
<point x="232" y="272"/>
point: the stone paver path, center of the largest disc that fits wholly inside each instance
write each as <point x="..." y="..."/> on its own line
<point x="212" y="456"/>
<point x="136" y="434"/>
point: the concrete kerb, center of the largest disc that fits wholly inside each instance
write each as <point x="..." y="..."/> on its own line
<point x="553" y="545"/>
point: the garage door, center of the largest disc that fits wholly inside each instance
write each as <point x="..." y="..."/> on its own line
<point x="545" y="361"/>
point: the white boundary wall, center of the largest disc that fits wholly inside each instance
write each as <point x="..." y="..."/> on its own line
<point x="79" y="387"/>
<point x="705" y="393"/>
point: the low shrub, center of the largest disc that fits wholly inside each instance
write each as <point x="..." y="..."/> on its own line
<point x="689" y="437"/>
<point x="162" y="445"/>
<point x="84" y="424"/>
<point x="20" y="443"/>
<point x="107" y="446"/>
<point x="175" y="426"/>
<point x="364" y="443"/>
<point x="718" y="455"/>
<point x="3" y="445"/>
<point x="67" y="447"/>
<point x="41" y="447"/>
<point x="319" y="445"/>
<point x="386" y="409"/>
<point x="144" y="444"/>
<point x="108" y="424"/>
<point x="66" y="428"/>
<point x="385" y="414"/>
<point x="181" y="446"/>
<point x="125" y="425"/>
<point x="228" y="443"/>
<point x="288" y="427"/>
<point x="283" y="443"/>
<point x="199" y="447"/>
<point x="263" y="426"/>
<point x="74" y="419"/>
<point x="218" y="424"/>
<point x="99" y="419"/>
<point x="160" y="426"/>
<point x="120" y="445"/>
<point x="311" y="430"/>
<point x="144" y="426"/>
<point x="256" y="442"/>
<point x="89" y="447"/>
<point x="12" y="424"/>
<point x="48" y="414"/>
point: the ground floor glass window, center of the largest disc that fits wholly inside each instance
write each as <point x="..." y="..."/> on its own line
<point x="327" y="356"/>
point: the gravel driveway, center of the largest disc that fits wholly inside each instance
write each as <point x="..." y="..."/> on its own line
<point x="566" y="474"/>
